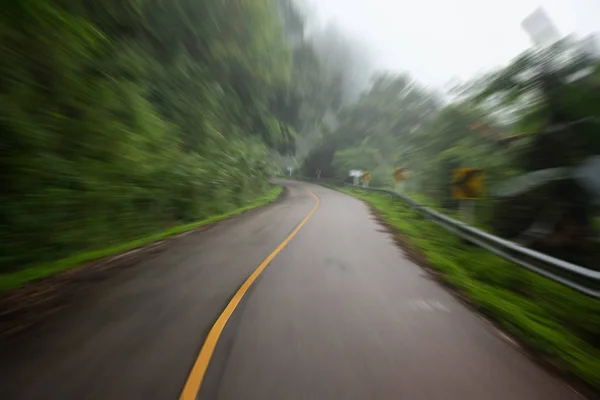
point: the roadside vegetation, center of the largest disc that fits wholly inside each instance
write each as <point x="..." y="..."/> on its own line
<point x="18" y="278"/>
<point x="561" y="324"/>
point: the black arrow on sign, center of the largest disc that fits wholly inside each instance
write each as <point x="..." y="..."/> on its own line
<point x="463" y="183"/>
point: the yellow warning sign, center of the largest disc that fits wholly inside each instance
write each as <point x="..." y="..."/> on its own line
<point x="398" y="175"/>
<point x="365" y="176"/>
<point x="467" y="183"/>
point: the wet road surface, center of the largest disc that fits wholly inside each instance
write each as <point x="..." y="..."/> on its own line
<point x="340" y="313"/>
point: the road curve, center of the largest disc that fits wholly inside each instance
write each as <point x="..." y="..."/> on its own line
<point x="340" y="313"/>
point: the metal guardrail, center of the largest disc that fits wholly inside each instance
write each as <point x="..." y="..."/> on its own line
<point x="576" y="277"/>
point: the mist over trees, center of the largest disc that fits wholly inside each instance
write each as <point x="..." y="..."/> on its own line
<point x="123" y="118"/>
<point x="330" y="70"/>
<point x="539" y="113"/>
<point x="119" y="119"/>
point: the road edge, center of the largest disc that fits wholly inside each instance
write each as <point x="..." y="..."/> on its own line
<point x="572" y="381"/>
<point x="34" y="301"/>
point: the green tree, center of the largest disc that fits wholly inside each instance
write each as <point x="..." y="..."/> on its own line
<point x="550" y="88"/>
<point x="378" y="127"/>
<point x="122" y="118"/>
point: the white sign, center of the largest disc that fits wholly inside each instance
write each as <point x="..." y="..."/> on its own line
<point x="540" y="28"/>
<point x="355" y="173"/>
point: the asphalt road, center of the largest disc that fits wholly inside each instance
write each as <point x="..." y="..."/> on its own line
<point x="340" y="313"/>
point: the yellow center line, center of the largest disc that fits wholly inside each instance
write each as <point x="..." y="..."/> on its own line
<point x="194" y="380"/>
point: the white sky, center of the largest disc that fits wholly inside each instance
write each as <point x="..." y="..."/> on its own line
<point x="440" y="40"/>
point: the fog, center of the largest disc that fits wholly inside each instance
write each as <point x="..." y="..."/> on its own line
<point x="440" y="41"/>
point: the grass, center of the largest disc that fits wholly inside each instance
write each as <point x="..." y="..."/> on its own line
<point x="19" y="278"/>
<point x="561" y="324"/>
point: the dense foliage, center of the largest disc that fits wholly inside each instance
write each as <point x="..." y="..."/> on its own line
<point x="121" y="118"/>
